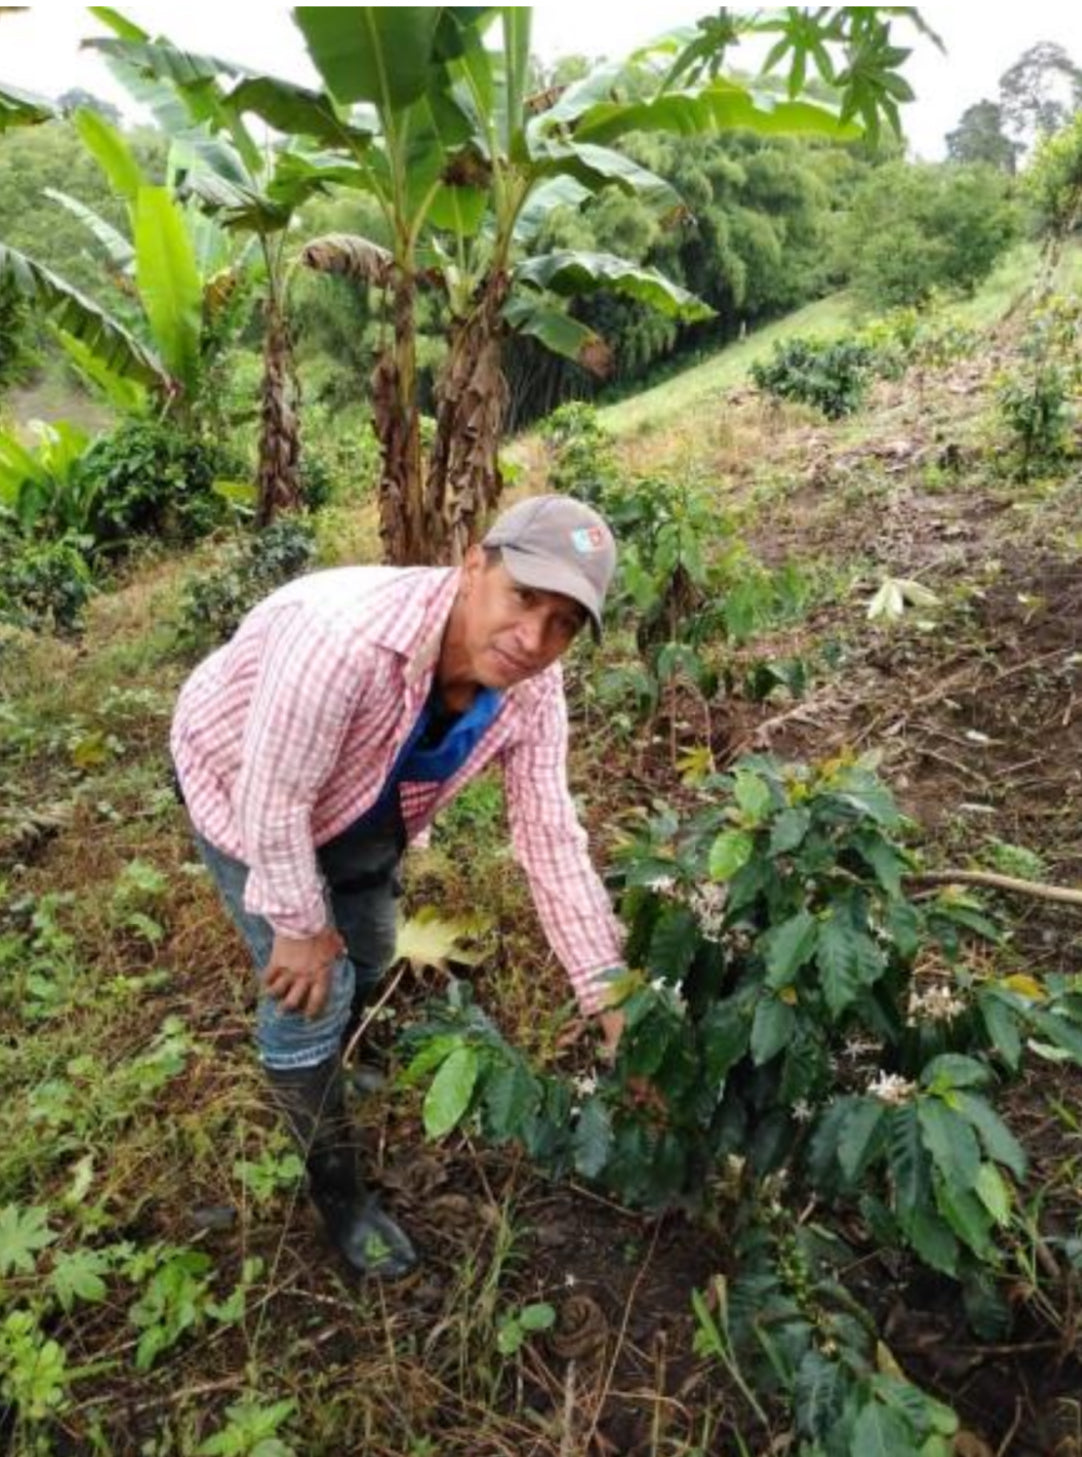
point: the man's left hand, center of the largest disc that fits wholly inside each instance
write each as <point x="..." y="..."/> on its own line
<point x="612" y="1029"/>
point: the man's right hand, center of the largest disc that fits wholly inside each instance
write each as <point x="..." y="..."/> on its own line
<point x="298" y="973"/>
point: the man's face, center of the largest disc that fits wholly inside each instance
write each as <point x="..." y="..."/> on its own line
<point x="511" y="632"/>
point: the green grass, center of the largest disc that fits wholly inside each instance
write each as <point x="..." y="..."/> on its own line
<point x="684" y="393"/>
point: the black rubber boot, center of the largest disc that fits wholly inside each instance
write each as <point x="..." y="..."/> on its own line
<point x="313" y="1103"/>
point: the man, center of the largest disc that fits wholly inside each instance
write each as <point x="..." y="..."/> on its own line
<point x="347" y="710"/>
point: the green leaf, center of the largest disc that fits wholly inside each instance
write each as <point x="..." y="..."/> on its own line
<point x="908" y="1160"/>
<point x="116" y="247"/>
<point x="78" y="1276"/>
<point x="952" y="1070"/>
<point x="673" y="943"/>
<point x="432" y="1053"/>
<point x="448" y="1099"/>
<point x="951" y="1142"/>
<point x="848" y="959"/>
<point x="787" y="947"/>
<point x="553" y="193"/>
<point x="883" y="859"/>
<point x="110" y="150"/>
<point x="968" y="1217"/>
<point x="510" y="1095"/>
<point x="169" y="284"/>
<point x="559" y="333"/>
<point x="788" y="830"/>
<point x="904" y="928"/>
<point x="1058" y="1031"/>
<point x="537" y="1317"/>
<point x="69" y="310"/>
<point x="293" y="109"/>
<point x="23" y="1232"/>
<point x="771" y="1029"/>
<point x="594" y="167"/>
<point x="880" y="1432"/>
<point x="23" y="108"/>
<point x="931" y="1239"/>
<point x="1001" y="1024"/>
<point x="726" y="1032"/>
<point x="753" y="795"/>
<point x="569" y="273"/>
<point x="729" y="853"/>
<point x="819" y="1394"/>
<point x="862" y="1137"/>
<point x="998" y="1140"/>
<point x="994" y="1194"/>
<point x="721" y="106"/>
<point x="377" y="53"/>
<point x="591" y="1143"/>
<point x="119" y="24"/>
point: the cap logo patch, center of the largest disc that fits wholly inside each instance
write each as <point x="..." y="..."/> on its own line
<point x="588" y="539"/>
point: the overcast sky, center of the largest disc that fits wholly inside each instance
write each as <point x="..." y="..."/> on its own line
<point x="39" y="49"/>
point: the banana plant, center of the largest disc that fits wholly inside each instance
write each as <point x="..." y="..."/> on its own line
<point x="466" y="163"/>
<point x="175" y="281"/>
<point x="201" y="102"/>
<point x="462" y="191"/>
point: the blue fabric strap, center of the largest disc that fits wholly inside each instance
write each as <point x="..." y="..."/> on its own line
<point x="437" y="762"/>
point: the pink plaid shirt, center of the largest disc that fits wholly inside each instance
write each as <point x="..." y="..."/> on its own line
<point x="286" y="735"/>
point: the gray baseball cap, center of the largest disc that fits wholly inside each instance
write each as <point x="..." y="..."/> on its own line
<point x="557" y="544"/>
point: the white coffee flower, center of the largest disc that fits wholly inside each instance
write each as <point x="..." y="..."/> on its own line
<point x="891" y="1088"/>
<point x="934" y="1004"/>
<point x="585" y="1085"/>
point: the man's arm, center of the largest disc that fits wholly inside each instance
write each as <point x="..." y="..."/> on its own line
<point x="300" y="711"/>
<point x="551" y="846"/>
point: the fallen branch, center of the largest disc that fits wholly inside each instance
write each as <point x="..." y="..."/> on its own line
<point x="1061" y="893"/>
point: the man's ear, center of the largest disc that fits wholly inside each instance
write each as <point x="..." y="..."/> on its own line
<point x="473" y="564"/>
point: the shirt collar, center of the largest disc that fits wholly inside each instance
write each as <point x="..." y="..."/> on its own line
<point x="418" y="638"/>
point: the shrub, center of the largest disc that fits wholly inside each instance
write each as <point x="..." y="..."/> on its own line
<point x="44" y="584"/>
<point x="913" y="230"/>
<point x="213" y="604"/>
<point x="44" y="491"/>
<point x="150" y="479"/>
<point x="832" y="375"/>
<point x="794" y="1010"/>
<point x="580" y="451"/>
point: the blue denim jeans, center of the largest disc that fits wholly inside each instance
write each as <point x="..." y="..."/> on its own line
<point x="360" y="886"/>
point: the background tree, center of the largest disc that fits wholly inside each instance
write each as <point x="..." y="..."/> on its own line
<point x="1053" y="186"/>
<point x="76" y="98"/>
<point x="1039" y="93"/>
<point x="913" y="230"/>
<point x="979" y="137"/>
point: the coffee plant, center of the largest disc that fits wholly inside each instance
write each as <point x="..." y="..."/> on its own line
<point x="789" y="1007"/>
<point x="832" y="375"/>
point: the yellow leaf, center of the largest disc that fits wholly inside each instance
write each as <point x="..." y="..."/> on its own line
<point x="885" y="1363"/>
<point x="788" y="996"/>
<point x="427" y="940"/>
<point x="695" y="765"/>
<point x="90" y="752"/>
<point x="1025" y="986"/>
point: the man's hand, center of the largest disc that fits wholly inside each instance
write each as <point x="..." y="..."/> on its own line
<point x="612" y="1029"/>
<point x="299" y="971"/>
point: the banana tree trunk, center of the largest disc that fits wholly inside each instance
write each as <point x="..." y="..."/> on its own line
<point x="464" y="481"/>
<point x="278" y="482"/>
<point x="397" y="422"/>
